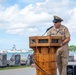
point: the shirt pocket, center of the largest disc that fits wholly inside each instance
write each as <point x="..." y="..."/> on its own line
<point x="62" y="35"/>
<point x="52" y="34"/>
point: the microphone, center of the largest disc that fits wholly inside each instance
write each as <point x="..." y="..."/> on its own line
<point x="47" y="30"/>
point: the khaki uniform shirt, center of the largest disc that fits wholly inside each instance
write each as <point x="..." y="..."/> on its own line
<point x="62" y="31"/>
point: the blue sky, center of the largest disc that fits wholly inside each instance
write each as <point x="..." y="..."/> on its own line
<point x="20" y="19"/>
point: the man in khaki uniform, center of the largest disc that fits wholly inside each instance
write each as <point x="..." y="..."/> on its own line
<point x="62" y="53"/>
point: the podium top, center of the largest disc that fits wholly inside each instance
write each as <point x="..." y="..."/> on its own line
<point x="43" y="41"/>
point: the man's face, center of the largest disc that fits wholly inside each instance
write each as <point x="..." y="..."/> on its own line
<point x="57" y="24"/>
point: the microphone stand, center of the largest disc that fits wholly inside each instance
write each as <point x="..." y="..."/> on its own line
<point x="47" y="30"/>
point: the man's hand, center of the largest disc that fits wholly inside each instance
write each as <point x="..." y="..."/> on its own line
<point x="65" y="41"/>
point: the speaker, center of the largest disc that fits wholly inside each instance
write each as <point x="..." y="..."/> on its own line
<point x="17" y="59"/>
<point x="71" y="70"/>
<point x="4" y="60"/>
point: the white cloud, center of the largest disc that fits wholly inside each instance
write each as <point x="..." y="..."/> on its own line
<point x="15" y="31"/>
<point x="71" y="23"/>
<point x="35" y="19"/>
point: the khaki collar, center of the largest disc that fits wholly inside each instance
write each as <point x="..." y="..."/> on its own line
<point x="59" y="28"/>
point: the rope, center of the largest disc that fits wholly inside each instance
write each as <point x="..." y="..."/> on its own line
<point x="38" y="66"/>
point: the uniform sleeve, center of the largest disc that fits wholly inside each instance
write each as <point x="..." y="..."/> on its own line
<point x="67" y="33"/>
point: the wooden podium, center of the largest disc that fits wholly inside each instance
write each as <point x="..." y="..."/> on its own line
<point x="45" y="48"/>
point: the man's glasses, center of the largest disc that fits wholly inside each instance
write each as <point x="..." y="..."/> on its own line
<point x="55" y="22"/>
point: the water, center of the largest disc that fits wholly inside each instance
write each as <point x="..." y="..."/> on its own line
<point x="24" y="54"/>
<point x="72" y="53"/>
